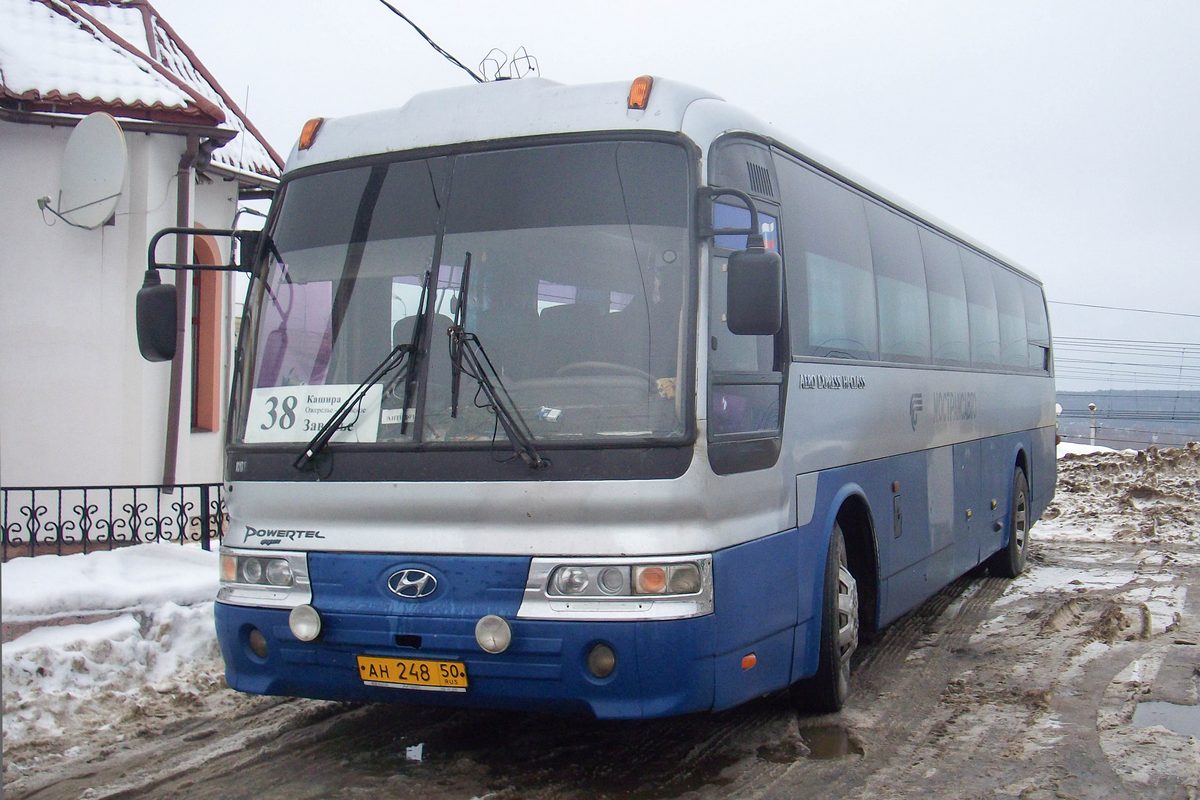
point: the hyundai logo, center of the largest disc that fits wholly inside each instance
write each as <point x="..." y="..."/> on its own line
<point x="412" y="584"/>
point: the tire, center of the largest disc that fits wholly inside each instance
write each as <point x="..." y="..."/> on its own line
<point x="826" y="691"/>
<point x="1010" y="561"/>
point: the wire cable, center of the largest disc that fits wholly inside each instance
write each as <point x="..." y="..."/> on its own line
<point x="1122" y="308"/>
<point x="432" y="43"/>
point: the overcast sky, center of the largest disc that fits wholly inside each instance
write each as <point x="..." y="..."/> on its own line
<point x="1064" y="134"/>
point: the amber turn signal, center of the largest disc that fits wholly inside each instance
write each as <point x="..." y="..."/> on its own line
<point x="639" y="92"/>
<point x="308" y="134"/>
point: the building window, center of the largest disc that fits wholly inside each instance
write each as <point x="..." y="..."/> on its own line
<point x="206" y="338"/>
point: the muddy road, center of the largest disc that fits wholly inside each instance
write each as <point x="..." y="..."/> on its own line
<point x="1026" y="689"/>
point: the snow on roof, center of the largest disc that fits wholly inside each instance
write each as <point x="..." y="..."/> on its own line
<point x="119" y="56"/>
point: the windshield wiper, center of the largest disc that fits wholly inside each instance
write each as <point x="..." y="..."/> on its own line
<point x="390" y="362"/>
<point x="466" y="347"/>
<point x="414" y="350"/>
<point x="393" y="360"/>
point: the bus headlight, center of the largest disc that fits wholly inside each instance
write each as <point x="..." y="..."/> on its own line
<point x="279" y="572"/>
<point x="612" y="588"/>
<point x="571" y="580"/>
<point x="256" y="570"/>
<point x="272" y="579"/>
<point x="602" y="580"/>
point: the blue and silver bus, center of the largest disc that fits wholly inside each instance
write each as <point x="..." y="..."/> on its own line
<point x="610" y="399"/>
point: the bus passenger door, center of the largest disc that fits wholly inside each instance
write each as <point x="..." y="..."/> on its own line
<point x="968" y="511"/>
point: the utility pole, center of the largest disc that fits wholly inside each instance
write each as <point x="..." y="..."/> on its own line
<point x="1092" y="428"/>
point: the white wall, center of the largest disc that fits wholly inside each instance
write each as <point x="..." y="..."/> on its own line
<point x="78" y="405"/>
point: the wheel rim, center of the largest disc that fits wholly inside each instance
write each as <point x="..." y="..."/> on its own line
<point x="847" y="617"/>
<point x="1021" y="522"/>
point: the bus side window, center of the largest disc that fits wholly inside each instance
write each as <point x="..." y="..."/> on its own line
<point x="728" y="351"/>
<point x="1037" y="326"/>
<point x="744" y="395"/>
<point x="981" y="310"/>
<point x="1011" y="310"/>
<point x="831" y="286"/>
<point x="947" y="300"/>
<point x="899" y="286"/>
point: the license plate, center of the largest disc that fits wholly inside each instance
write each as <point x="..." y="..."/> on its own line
<point x="434" y="676"/>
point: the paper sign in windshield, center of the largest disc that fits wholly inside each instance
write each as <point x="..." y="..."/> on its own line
<point x="296" y="413"/>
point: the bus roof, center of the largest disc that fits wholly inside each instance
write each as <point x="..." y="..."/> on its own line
<point x="511" y="109"/>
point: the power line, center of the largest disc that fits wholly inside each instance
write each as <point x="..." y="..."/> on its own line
<point x="1101" y="341"/>
<point x="1122" y="308"/>
<point x="1172" y="367"/>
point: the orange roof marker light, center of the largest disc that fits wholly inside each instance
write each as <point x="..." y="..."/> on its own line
<point x="639" y="92"/>
<point x="308" y="134"/>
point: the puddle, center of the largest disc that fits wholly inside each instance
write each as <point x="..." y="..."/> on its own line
<point x="1172" y="716"/>
<point x="829" y="741"/>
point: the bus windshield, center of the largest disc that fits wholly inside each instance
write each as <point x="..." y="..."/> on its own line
<point x="578" y="278"/>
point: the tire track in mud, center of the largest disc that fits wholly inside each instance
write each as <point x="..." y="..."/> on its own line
<point x="937" y="711"/>
<point x="308" y="750"/>
<point x="897" y="686"/>
<point x="156" y="758"/>
<point x="1022" y="721"/>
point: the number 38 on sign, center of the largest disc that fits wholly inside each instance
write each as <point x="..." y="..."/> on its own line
<point x="296" y="413"/>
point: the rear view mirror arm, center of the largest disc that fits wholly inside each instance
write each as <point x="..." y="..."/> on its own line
<point x="753" y="233"/>
<point x="247" y="238"/>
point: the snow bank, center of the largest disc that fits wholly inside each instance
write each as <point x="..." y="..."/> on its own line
<point x="143" y="576"/>
<point x="1150" y="496"/>
<point x="67" y="679"/>
<point x="158" y="646"/>
<point x="1073" y="449"/>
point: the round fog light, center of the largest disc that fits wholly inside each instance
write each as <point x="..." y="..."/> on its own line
<point x="305" y="623"/>
<point x="493" y="634"/>
<point x="601" y="661"/>
<point x="257" y="642"/>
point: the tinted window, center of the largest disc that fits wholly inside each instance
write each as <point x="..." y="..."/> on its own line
<point x="1037" y="327"/>
<point x="730" y="351"/>
<point x="947" y="300"/>
<point x="831" y="289"/>
<point x="1011" y="314"/>
<point x="981" y="310"/>
<point x="546" y="187"/>
<point x="727" y="216"/>
<point x="899" y="286"/>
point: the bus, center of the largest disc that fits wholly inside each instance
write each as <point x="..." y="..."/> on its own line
<point x="612" y="400"/>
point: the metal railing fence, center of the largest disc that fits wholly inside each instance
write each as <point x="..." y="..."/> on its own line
<point x="42" y="520"/>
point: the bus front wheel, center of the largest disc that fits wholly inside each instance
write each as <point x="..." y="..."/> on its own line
<point x="826" y="691"/>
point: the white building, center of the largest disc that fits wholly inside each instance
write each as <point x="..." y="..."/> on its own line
<point x="78" y="405"/>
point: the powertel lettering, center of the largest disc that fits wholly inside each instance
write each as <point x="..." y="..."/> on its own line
<point x="276" y="535"/>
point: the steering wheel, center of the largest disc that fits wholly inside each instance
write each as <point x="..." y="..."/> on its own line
<point x="581" y="367"/>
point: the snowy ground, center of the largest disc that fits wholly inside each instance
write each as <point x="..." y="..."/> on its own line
<point x="114" y="636"/>
<point x="108" y="648"/>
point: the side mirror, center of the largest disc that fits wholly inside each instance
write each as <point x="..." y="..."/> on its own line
<point x="156" y="318"/>
<point x="754" y="305"/>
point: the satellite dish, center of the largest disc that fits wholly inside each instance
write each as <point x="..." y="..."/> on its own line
<point x="93" y="171"/>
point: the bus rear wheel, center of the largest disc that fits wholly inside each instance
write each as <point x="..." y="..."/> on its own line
<point x="1010" y="561"/>
<point x="826" y="691"/>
